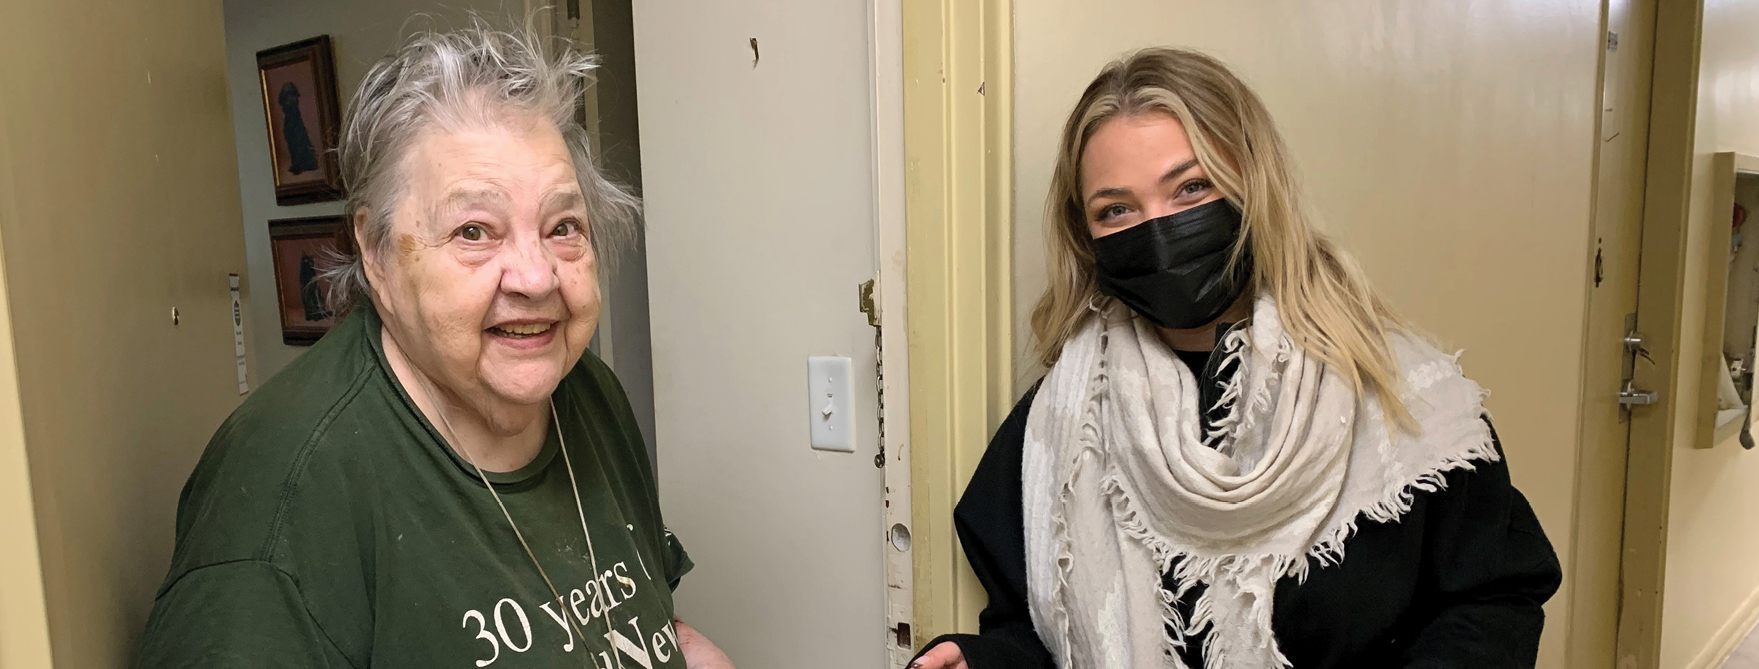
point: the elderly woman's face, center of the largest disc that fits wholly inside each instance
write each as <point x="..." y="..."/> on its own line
<point x="491" y="290"/>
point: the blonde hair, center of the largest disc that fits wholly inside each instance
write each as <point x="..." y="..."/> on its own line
<point x="1326" y="303"/>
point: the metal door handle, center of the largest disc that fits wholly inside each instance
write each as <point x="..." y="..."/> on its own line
<point x="1630" y="396"/>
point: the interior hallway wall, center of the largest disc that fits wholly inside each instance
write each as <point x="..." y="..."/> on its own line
<point x="1712" y="583"/>
<point x="1448" y="145"/>
<point x="117" y="204"/>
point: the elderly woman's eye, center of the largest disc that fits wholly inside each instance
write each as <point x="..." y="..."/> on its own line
<point x="566" y="228"/>
<point x="472" y="232"/>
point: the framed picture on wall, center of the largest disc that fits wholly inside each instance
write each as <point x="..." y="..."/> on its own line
<point x="302" y="247"/>
<point x="299" y="101"/>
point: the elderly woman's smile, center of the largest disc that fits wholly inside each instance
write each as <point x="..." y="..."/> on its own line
<point x="524" y="335"/>
<point x="522" y="330"/>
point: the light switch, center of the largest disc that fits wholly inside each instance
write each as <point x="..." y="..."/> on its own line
<point x="828" y="405"/>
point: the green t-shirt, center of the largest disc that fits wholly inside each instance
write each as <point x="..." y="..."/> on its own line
<point x="328" y="525"/>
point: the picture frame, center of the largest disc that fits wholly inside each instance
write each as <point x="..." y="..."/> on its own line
<point x="298" y="84"/>
<point x="300" y="248"/>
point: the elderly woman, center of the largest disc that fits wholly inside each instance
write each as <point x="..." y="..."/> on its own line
<point x="1240" y="457"/>
<point x="447" y="479"/>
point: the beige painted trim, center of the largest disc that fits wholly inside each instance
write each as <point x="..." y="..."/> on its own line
<point x="1667" y="191"/>
<point x="958" y="60"/>
<point x="24" y="617"/>
<point x="1730" y="636"/>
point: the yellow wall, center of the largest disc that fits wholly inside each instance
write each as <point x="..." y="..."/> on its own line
<point x="1448" y="144"/>
<point x="118" y="202"/>
<point x="1713" y="524"/>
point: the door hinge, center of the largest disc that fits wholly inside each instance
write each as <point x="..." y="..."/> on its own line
<point x="867" y="304"/>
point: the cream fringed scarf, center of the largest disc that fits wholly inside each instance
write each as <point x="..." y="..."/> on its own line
<point x="1120" y="485"/>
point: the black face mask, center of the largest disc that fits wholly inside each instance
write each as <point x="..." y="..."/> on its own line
<point x="1173" y="270"/>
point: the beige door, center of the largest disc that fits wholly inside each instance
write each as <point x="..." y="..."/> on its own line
<point x="1617" y="228"/>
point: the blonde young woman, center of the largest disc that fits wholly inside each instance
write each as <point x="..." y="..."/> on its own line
<point x="1240" y="457"/>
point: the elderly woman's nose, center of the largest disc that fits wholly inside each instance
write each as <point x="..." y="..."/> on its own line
<point x="530" y="269"/>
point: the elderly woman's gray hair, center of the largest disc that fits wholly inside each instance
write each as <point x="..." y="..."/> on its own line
<point x="471" y="77"/>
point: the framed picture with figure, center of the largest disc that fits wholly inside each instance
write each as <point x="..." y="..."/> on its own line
<point x="299" y="102"/>
<point x="301" y="248"/>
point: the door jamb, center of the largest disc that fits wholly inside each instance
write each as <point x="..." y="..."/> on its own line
<point x="886" y="71"/>
<point x="1667" y="196"/>
<point x="958" y="140"/>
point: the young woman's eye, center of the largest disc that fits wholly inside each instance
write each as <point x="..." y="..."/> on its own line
<point x="1113" y="211"/>
<point x="472" y="232"/>
<point x="1194" y="187"/>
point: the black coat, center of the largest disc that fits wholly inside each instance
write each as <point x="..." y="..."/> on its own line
<point x="1457" y="581"/>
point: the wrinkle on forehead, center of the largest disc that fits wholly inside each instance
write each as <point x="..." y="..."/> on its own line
<point x="472" y="196"/>
<point x="566" y="197"/>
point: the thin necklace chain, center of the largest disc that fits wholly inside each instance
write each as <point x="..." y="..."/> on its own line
<point x="573" y="485"/>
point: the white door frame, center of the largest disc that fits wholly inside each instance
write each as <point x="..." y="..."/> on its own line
<point x="886" y="71"/>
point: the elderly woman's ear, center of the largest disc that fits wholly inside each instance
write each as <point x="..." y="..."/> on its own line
<point x="369" y="257"/>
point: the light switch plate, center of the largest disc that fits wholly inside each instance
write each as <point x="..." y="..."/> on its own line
<point x="828" y="407"/>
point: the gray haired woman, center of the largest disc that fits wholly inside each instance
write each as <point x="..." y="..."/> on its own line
<point x="448" y="476"/>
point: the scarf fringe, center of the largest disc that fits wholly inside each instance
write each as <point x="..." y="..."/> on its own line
<point x="1241" y="417"/>
<point x="1189" y="570"/>
<point x="1234" y="351"/>
<point x="1329" y="550"/>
